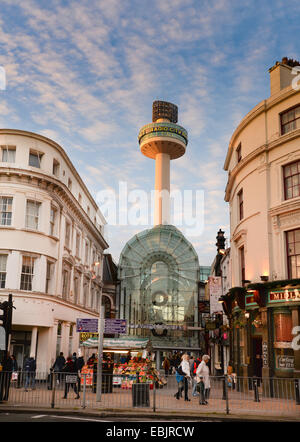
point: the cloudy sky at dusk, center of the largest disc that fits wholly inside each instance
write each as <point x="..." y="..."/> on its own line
<point x="85" y="73"/>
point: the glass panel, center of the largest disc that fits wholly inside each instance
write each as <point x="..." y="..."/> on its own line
<point x="290" y="236"/>
<point x="35" y="159"/>
<point x="293" y="267"/>
<point x="289" y="192"/>
<point x="295" y="191"/>
<point x="294" y="168"/>
<point x="291" y="249"/>
<point x="8" y="155"/>
<point x="295" y="179"/>
<point x="297" y="248"/>
<point x="32" y="214"/>
<point x="297" y="235"/>
<point x="287" y="171"/>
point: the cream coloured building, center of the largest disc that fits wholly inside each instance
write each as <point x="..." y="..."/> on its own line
<point x="263" y="192"/>
<point x="51" y="246"/>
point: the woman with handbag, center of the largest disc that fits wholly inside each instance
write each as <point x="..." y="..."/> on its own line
<point x="203" y="371"/>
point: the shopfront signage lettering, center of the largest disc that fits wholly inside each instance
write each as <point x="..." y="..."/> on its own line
<point x="265" y="354"/>
<point x="285" y="295"/>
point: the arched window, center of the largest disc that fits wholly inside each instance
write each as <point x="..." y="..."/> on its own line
<point x="107" y="307"/>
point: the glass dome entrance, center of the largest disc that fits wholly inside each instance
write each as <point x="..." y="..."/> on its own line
<point x="159" y="274"/>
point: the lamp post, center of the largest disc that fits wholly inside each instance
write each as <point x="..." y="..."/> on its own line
<point x="220" y="244"/>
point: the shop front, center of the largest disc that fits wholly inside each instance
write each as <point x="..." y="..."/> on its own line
<point x="265" y="322"/>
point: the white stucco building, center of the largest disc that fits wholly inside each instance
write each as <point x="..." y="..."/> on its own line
<point x="263" y="192"/>
<point x="51" y="246"/>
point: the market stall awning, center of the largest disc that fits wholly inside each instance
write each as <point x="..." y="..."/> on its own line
<point x="129" y="343"/>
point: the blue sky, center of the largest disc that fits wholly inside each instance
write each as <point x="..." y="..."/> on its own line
<point x="85" y="73"/>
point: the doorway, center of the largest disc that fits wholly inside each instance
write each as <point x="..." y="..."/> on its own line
<point x="257" y="357"/>
<point x="18" y="351"/>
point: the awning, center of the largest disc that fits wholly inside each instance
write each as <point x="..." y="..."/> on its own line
<point x="118" y="343"/>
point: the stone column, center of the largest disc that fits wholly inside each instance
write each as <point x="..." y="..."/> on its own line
<point x="33" y="342"/>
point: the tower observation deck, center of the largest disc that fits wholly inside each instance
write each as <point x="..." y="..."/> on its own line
<point x="163" y="140"/>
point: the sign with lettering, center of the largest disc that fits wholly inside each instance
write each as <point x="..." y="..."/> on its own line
<point x="284" y="295"/>
<point x="113" y="326"/>
<point x="285" y="362"/>
<point x="215" y="292"/>
<point x="265" y="356"/>
<point x="89" y="325"/>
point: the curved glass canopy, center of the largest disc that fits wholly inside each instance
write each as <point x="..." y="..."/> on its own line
<point x="159" y="274"/>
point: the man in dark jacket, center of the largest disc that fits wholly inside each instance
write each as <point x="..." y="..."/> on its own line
<point x="5" y="378"/>
<point x="71" y="377"/>
<point x="30" y="369"/>
<point x="79" y="364"/>
<point x="59" y="365"/>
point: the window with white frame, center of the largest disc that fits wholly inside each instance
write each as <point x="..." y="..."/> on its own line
<point x="49" y="276"/>
<point x="27" y="273"/>
<point x="52" y="221"/>
<point x="78" y="242"/>
<point x="8" y="154"/>
<point x="32" y="214"/>
<point x="65" y="283"/>
<point x="35" y="158"/>
<point x="68" y="234"/>
<point x="3" y="261"/>
<point x="5" y="210"/>
<point x="290" y="120"/>
<point x="55" y="168"/>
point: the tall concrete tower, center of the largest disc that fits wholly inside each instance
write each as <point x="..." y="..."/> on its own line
<point x="163" y="140"/>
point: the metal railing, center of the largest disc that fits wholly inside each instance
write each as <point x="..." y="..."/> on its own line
<point x="278" y="397"/>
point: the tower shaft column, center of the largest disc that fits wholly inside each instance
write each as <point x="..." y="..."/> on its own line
<point x="162" y="189"/>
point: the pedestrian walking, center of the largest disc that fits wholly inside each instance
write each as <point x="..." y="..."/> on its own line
<point x="30" y="372"/>
<point x="180" y="381"/>
<point x="166" y="366"/>
<point x="70" y="373"/>
<point x="203" y="371"/>
<point x="58" y="365"/>
<point x="5" y="378"/>
<point x="79" y="364"/>
<point x="187" y="375"/>
<point x="195" y="383"/>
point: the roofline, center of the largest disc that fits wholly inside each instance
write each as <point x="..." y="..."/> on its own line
<point x="57" y="146"/>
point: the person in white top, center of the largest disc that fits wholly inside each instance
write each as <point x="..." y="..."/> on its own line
<point x="203" y="371"/>
<point x="185" y="365"/>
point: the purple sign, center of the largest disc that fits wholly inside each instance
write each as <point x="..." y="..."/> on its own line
<point x="113" y="326"/>
<point x="87" y="325"/>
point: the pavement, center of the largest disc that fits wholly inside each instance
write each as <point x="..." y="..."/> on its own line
<point x="241" y="406"/>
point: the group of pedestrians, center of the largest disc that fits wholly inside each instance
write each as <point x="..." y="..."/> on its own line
<point x="195" y="373"/>
<point x="67" y="371"/>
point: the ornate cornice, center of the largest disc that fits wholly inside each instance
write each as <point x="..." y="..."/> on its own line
<point x="58" y="191"/>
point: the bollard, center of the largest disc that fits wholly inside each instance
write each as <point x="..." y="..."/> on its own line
<point x="84" y="390"/>
<point x="19" y="381"/>
<point x="53" y="390"/>
<point x="154" y="396"/>
<point x="255" y="388"/>
<point x="50" y="386"/>
<point x="297" y="394"/>
<point x="225" y="393"/>
<point x="224" y="388"/>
